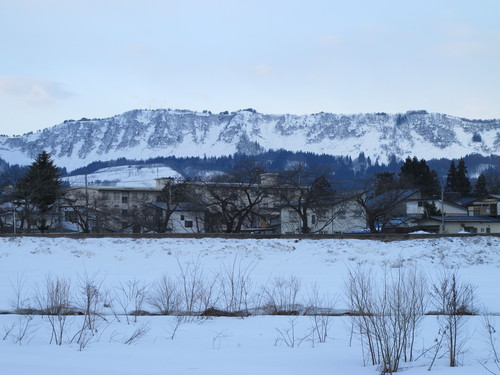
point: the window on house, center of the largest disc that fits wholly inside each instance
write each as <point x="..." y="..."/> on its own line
<point x="182" y="217"/>
<point x="188" y="224"/>
<point x="313" y="219"/>
<point x="71" y="216"/>
<point x="124" y="199"/>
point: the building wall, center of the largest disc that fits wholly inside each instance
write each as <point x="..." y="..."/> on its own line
<point x="187" y="222"/>
<point x="414" y="209"/>
<point x="457" y="227"/>
<point x="335" y="219"/>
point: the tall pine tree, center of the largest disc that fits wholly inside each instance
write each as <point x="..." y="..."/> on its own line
<point x="463" y="184"/>
<point x="457" y="180"/>
<point x="416" y="174"/>
<point x="481" y="189"/>
<point x="38" y="190"/>
<point x="451" y="178"/>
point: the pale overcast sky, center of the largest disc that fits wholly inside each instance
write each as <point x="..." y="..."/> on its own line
<point x="65" y="59"/>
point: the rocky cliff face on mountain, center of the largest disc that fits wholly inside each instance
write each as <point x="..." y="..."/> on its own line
<point x="142" y="134"/>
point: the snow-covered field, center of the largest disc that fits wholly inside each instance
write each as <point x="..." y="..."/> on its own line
<point x="224" y="345"/>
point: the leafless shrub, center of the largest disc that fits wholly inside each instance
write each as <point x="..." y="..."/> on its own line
<point x="438" y="343"/>
<point x="20" y="302"/>
<point x="209" y="294"/>
<point x="24" y="329"/>
<point x="415" y="298"/>
<point x="91" y="294"/>
<point x="177" y="322"/>
<point x="288" y="336"/>
<point x="164" y="296"/>
<point x="85" y="336"/>
<point x="131" y="297"/>
<point x="195" y="293"/>
<point x="138" y="334"/>
<point x="235" y="285"/>
<point x="54" y="303"/>
<point x="280" y="297"/>
<point x="217" y="339"/>
<point x="387" y="319"/>
<point x="454" y="302"/>
<point x="7" y="330"/>
<point x="91" y="299"/>
<point x="491" y="341"/>
<point x="319" y="309"/>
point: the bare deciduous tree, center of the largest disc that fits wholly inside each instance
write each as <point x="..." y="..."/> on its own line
<point x="454" y="301"/>
<point x="387" y="318"/>
<point x="308" y="194"/>
<point x="54" y="303"/>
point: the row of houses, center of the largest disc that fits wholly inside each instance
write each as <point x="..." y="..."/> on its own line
<point x="138" y="210"/>
<point x="460" y="215"/>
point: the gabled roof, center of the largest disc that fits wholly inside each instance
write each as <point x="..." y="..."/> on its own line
<point x="464" y="201"/>
<point x="397" y="195"/>
<point x="489" y="196"/>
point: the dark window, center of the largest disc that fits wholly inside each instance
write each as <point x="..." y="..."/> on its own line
<point x="182" y="217"/>
<point x="470" y="229"/>
<point x="71" y="216"/>
<point x="124" y="199"/>
<point x="188" y="224"/>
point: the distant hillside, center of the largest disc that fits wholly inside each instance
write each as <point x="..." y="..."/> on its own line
<point x="144" y="134"/>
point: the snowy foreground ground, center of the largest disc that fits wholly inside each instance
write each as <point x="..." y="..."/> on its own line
<point x="226" y="345"/>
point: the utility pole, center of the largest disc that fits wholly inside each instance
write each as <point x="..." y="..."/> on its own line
<point x="442" y="207"/>
<point x="87" y="224"/>
<point x="14" y="219"/>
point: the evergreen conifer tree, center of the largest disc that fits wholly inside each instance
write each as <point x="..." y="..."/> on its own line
<point x="463" y="184"/>
<point x="480" y="189"/>
<point x="39" y="189"/>
<point x="451" y="178"/>
<point x="415" y="174"/>
<point x="457" y="180"/>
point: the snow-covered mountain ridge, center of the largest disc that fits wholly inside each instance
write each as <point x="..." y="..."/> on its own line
<point x="143" y="134"/>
